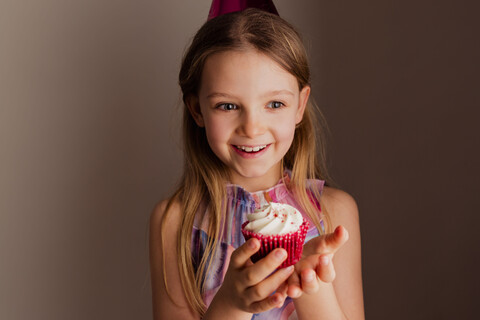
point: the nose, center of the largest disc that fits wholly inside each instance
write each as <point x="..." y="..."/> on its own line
<point x="252" y="124"/>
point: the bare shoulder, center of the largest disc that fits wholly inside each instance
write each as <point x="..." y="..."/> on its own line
<point x="159" y="211"/>
<point x="159" y="235"/>
<point x="166" y="213"/>
<point x="341" y="206"/>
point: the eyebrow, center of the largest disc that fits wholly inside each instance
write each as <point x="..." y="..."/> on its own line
<point x="270" y="93"/>
<point x="279" y="92"/>
<point x="219" y="95"/>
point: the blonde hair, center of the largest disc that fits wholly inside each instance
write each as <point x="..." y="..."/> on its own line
<point x="205" y="176"/>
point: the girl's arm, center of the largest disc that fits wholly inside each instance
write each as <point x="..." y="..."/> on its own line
<point x="342" y="298"/>
<point x="163" y="307"/>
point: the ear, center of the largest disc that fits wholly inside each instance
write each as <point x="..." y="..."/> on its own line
<point x="194" y="107"/>
<point x="302" y="103"/>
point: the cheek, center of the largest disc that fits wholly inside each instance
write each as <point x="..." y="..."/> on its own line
<point x="217" y="133"/>
<point x="284" y="134"/>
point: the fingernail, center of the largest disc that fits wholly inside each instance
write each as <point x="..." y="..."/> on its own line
<point x="295" y="293"/>
<point x="308" y="277"/>
<point x="288" y="270"/>
<point x="280" y="254"/>
<point x="252" y="244"/>
<point x="324" y="260"/>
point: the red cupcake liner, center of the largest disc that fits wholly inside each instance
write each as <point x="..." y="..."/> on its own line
<point x="292" y="242"/>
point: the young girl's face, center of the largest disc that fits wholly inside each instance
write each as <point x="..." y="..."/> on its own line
<point x="249" y="107"/>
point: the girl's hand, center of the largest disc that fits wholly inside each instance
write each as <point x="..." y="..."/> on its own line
<point x="316" y="263"/>
<point x="248" y="286"/>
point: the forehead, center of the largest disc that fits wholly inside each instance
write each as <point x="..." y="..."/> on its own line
<point x="246" y="71"/>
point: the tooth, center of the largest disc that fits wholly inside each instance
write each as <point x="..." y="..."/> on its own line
<point x="248" y="149"/>
<point x="256" y="149"/>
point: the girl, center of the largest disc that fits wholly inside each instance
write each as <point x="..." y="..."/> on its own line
<point x="250" y="138"/>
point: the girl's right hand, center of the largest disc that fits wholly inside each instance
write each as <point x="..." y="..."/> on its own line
<point x="248" y="287"/>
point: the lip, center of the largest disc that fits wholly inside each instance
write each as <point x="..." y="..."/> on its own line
<point x="250" y="155"/>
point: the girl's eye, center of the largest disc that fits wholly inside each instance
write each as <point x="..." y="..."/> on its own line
<point x="227" y="106"/>
<point x="275" y="104"/>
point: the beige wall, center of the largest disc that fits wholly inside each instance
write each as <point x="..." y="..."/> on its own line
<point x="88" y="89"/>
<point x="89" y="143"/>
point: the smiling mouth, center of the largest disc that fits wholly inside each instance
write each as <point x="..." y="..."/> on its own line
<point x="251" y="149"/>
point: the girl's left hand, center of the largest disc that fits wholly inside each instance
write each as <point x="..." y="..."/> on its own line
<point x="316" y="263"/>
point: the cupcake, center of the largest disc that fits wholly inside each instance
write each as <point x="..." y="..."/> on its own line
<point x="277" y="225"/>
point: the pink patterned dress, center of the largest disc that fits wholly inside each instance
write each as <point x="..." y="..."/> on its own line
<point x="239" y="203"/>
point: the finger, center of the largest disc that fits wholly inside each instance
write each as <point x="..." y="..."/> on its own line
<point x="294" y="289"/>
<point x="269" y="285"/>
<point x="282" y="291"/>
<point x="243" y="253"/>
<point x="338" y="237"/>
<point x="273" y="301"/>
<point x="331" y="242"/>
<point x="325" y="269"/>
<point x="281" y="299"/>
<point x="264" y="267"/>
<point x="309" y="281"/>
<point x="283" y="288"/>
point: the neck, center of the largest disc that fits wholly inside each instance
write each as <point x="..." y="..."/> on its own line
<point x="254" y="184"/>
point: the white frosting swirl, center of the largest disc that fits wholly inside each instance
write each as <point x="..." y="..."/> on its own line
<point x="274" y="218"/>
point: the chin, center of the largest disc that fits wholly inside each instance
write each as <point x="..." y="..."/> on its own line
<point x="253" y="173"/>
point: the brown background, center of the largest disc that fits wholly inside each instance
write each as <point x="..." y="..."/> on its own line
<point x="89" y="143"/>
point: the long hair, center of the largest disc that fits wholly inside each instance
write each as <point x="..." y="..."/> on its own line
<point x="204" y="175"/>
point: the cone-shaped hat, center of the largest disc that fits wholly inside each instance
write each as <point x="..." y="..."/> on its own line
<point x="220" y="7"/>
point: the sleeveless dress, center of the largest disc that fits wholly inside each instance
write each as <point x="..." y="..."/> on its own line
<point x="239" y="203"/>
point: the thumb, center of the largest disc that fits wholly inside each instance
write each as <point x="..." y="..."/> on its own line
<point x="328" y="243"/>
<point x="337" y="238"/>
<point x="333" y="241"/>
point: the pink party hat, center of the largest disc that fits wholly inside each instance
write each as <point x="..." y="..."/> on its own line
<point x="220" y="7"/>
